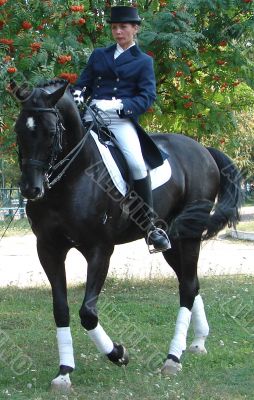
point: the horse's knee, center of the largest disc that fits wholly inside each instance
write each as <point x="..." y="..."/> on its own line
<point x="188" y="291"/>
<point x="88" y="317"/>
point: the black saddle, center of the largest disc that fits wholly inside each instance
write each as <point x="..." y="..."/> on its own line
<point x="153" y="156"/>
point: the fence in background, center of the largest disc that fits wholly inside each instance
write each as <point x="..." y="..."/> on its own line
<point x="11" y="204"/>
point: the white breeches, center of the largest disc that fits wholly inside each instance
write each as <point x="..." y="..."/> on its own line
<point x="128" y="141"/>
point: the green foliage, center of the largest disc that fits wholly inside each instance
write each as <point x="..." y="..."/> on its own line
<point x="203" y="53"/>
<point x="202" y="50"/>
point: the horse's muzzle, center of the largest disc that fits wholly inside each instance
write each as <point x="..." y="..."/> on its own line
<point x="32" y="189"/>
<point x="31" y="192"/>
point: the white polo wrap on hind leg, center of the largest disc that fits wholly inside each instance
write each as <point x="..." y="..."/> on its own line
<point x="102" y="341"/>
<point x="65" y="347"/>
<point x="198" y="317"/>
<point x="178" y="343"/>
<point x="200" y="326"/>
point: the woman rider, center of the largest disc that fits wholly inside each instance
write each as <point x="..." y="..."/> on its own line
<point x="120" y="80"/>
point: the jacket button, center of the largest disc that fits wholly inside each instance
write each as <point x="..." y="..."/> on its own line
<point x="99" y="77"/>
<point x="115" y="88"/>
<point x="98" y="86"/>
<point x="117" y="79"/>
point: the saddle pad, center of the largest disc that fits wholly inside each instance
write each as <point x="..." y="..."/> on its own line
<point x="159" y="175"/>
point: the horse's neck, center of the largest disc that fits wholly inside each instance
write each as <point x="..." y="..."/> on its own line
<point x="72" y="123"/>
<point x="74" y="132"/>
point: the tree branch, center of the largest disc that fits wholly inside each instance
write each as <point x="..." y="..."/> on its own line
<point x="147" y="4"/>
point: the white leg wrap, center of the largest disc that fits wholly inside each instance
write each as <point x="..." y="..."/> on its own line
<point x="200" y="326"/>
<point x="178" y="343"/>
<point x="198" y="317"/>
<point x="102" y="341"/>
<point x="65" y="348"/>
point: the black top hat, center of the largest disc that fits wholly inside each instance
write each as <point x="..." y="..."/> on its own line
<point x="124" y="14"/>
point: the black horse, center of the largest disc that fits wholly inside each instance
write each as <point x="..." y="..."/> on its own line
<point x="75" y="210"/>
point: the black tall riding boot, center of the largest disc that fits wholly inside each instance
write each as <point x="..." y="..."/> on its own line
<point x="143" y="215"/>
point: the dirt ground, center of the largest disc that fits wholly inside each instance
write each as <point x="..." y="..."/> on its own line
<point x="19" y="264"/>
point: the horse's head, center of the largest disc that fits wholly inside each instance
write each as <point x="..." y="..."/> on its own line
<point x="38" y="130"/>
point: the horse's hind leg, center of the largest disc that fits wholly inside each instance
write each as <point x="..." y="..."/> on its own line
<point x="183" y="258"/>
<point x="52" y="258"/>
<point x="200" y="326"/>
<point x="98" y="262"/>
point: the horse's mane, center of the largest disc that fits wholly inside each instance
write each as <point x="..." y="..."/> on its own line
<point x="51" y="82"/>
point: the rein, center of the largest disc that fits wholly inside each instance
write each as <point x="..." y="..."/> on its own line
<point x="96" y="121"/>
<point x="69" y="158"/>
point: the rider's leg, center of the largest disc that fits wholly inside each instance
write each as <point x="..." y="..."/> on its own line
<point x="155" y="236"/>
<point x="129" y="144"/>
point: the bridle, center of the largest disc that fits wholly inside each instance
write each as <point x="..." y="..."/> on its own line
<point x="50" y="166"/>
<point x="57" y="141"/>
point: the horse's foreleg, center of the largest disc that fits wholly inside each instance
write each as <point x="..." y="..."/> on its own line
<point x="183" y="259"/>
<point x="178" y="343"/>
<point x="98" y="263"/>
<point x="200" y="326"/>
<point x="52" y="259"/>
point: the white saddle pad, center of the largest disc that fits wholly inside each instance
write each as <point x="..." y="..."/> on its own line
<point x="159" y="175"/>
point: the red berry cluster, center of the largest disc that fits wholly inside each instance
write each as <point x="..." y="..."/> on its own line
<point x="63" y="59"/>
<point x="69" y="77"/>
<point x="77" y="8"/>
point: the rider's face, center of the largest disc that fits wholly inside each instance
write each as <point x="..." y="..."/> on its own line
<point x="124" y="33"/>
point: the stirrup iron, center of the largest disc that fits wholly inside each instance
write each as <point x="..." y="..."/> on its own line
<point x="150" y="245"/>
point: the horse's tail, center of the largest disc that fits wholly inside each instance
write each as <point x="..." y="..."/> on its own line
<point x="230" y="195"/>
<point x="204" y="219"/>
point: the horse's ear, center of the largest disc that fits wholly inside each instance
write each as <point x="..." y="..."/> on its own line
<point x="58" y="93"/>
<point x="21" y="93"/>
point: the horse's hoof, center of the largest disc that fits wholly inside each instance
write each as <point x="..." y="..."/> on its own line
<point x="124" y="360"/>
<point x="171" y="368"/>
<point x="196" y="349"/>
<point x="119" y="355"/>
<point x="61" y="383"/>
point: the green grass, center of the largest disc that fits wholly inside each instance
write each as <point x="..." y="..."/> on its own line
<point x="247" y="226"/>
<point x="142" y="316"/>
